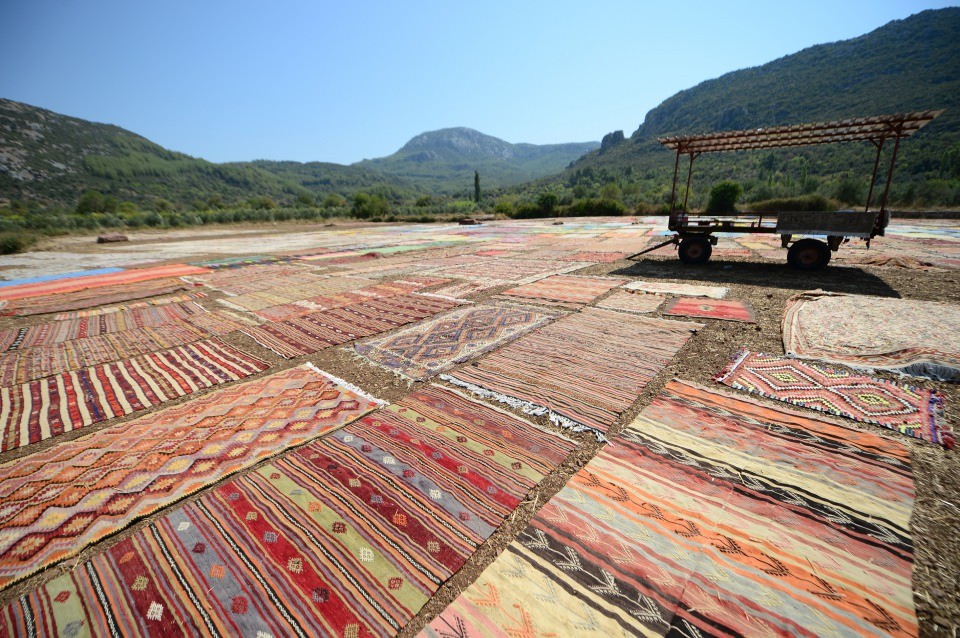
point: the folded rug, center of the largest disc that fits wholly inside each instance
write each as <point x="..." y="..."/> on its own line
<point x="670" y="288"/>
<point x="912" y="411"/>
<point x="627" y="301"/>
<point x="711" y="516"/>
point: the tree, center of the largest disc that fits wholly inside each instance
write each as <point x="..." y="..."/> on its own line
<point x="476" y="186"/>
<point x="547" y="203"/>
<point x="723" y="197"/>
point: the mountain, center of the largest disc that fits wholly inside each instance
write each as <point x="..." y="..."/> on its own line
<point x="906" y="65"/>
<point x="445" y="160"/>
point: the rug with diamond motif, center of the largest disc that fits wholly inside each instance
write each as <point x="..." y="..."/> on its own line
<point x="429" y="347"/>
<point x="582" y="371"/>
<point x="319" y="330"/>
<point x="57" y="501"/>
<point x="567" y="291"/>
<point x="711" y="515"/>
<point x="48" y="407"/>
<point x="913" y="411"/>
<point x="347" y="536"/>
<point x="700" y="308"/>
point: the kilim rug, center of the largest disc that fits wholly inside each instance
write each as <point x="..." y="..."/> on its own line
<point x="248" y="279"/>
<point x="73" y="284"/>
<point x="24" y="365"/>
<point x="670" y="288"/>
<point x="53" y="332"/>
<point x="912" y="411"/>
<point x="726" y="309"/>
<point x="58" y="501"/>
<point x="711" y="516"/>
<point x="427" y="348"/>
<point x="596" y="256"/>
<point x="44" y="408"/>
<point x="302" y="307"/>
<point x="106" y="310"/>
<point x="316" y="331"/>
<point x="347" y="536"/>
<point x="582" y="370"/>
<point x="568" y="291"/>
<point x="921" y="338"/>
<point x="626" y="301"/>
<point x="91" y="297"/>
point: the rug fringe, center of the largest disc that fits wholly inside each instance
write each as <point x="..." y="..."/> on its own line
<point x="738" y="358"/>
<point x="346" y="384"/>
<point x="527" y="407"/>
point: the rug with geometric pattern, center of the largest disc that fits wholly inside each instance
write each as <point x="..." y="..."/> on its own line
<point x="57" y="501"/>
<point x="913" y="411"/>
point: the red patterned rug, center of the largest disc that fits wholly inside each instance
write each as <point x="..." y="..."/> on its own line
<point x="912" y="411"/>
<point x="702" y="308"/>
<point x="48" y="407"/>
<point x="57" y="501"/>
<point x="347" y="536"/>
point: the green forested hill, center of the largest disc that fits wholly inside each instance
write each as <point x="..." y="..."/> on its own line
<point x="444" y="161"/>
<point x="906" y="65"/>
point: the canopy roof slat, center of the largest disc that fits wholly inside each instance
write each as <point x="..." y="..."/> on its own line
<point x="873" y="129"/>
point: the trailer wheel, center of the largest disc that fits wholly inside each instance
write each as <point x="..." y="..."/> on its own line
<point x="695" y="249"/>
<point x="808" y="254"/>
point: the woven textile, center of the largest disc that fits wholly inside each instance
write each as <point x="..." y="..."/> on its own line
<point x="248" y="279"/>
<point x="569" y="291"/>
<point x="73" y="284"/>
<point x="583" y="370"/>
<point x="599" y="257"/>
<point x="516" y="271"/>
<point x="33" y="363"/>
<point x="711" y="516"/>
<point x="632" y="301"/>
<point x="91" y="297"/>
<point x="57" y="501"/>
<point x="316" y="331"/>
<point x="347" y="536"/>
<point x="427" y="348"/>
<point x="670" y="288"/>
<point x="133" y="305"/>
<point x="281" y="293"/>
<point x="302" y="307"/>
<point x="912" y="411"/>
<point x="48" y="407"/>
<point x="725" y="309"/>
<point x="915" y="337"/>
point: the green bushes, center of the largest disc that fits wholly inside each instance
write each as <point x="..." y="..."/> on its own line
<point x="723" y="197"/>
<point x="804" y="203"/>
<point x="11" y="243"/>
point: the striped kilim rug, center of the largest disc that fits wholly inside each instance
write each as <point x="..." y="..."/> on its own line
<point x="701" y="308"/>
<point x="282" y="293"/>
<point x="711" y="516"/>
<point x="670" y="288"/>
<point x="516" y="271"/>
<point x="44" y="408"/>
<point x="626" y="301"/>
<point x="347" y="536"/>
<point x="302" y="307"/>
<point x="915" y="337"/>
<point x="909" y="410"/>
<point x="570" y="291"/>
<point x="106" y="280"/>
<point x="58" y="501"/>
<point x="582" y="370"/>
<point x="133" y="305"/>
<point x="248" y="279"/>
<point x="319" y="330"/>
<point x="91" y="297"/>
<point x="429" y="347"/>
<point x="51" y="332"/>
<point x="595" y="256"/>
<point x="25" y="365"/>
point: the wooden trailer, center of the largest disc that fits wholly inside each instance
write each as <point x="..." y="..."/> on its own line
<point x="822" y="232"/>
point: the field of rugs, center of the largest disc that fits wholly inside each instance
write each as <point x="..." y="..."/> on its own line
<point x="181" y="456"/>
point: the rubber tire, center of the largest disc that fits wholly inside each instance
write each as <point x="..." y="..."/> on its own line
<point x="808" y="254"/>
<point x="695" y="250"/>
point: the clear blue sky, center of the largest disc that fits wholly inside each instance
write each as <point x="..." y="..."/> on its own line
<point x="344" y="80"/>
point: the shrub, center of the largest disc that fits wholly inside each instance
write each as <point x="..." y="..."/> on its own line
<point x="11" y="243"/>
<point x="804" y="203"/>
<point x="723" y="197"/>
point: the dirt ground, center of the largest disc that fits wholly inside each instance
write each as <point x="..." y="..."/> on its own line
<point x="766" y="285"/>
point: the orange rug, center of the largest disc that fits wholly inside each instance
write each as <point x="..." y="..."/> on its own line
<point x="96" y="281"/>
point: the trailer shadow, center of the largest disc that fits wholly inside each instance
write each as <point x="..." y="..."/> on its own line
<point x="848" y="279"/>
